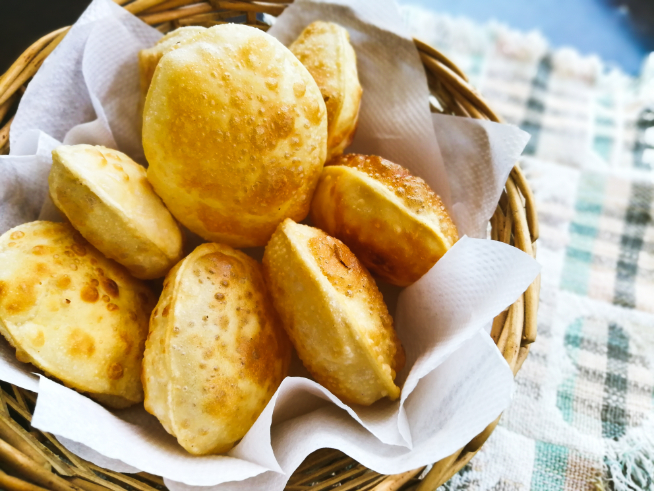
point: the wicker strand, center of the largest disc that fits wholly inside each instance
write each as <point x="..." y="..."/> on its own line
<point x="27" y="56"/>
<point x="395" y="482"/>
<point x="434" y="477"/>
<point x="140" y="5"/>
<point x="196" y="8"/>
<point x="87" y="485"/>
<point x="32" y="67"/>
<point x="168" y="5"/>
<point x="25" y="466"/>
<point x="438" y="56"/>
<point x="6" y="106"/>
<point x="12" y="433"/>
<point x="530" y="204"/>
<point x="458" y="85"/>
<point x="248" y="6"/>
<point x="366" y="481"/>
<point x="4" y="134"/>
<point x="11" y="483"/>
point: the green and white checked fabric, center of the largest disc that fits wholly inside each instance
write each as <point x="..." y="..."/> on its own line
<point x="582" y="417"/>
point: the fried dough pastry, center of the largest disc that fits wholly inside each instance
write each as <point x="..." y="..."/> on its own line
<point x="72" y="312"/>
<point x="235" y="132"/>
<point x="334" y="314"/>
<point x="149" y="58"/>
<point x="216" y="352"/>
<point x="107" y="197"/>
<point x="394" y="223"/>
<point x="325" y="49"/>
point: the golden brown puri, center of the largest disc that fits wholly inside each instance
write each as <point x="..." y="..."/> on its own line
<point x="107" y="197"/>
<point x="334" y="314"/>
<point x="72" y="312"/>
<point x="216" y="352"/>
<point x="235" y="131"/>
<point x="325" y="49"/>
<point x="149" y="58"/>
<point x="394" y="223"/>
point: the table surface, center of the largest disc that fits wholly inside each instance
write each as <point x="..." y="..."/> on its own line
<point x="620" y="31"/>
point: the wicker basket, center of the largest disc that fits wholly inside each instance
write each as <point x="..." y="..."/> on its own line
<point x="35" y="461"/>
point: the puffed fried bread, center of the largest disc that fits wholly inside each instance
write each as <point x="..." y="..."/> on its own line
<point x="107" y="197"/>
<point x="73" y="313"/>
<point x="333" y="313"/>
<point x="149" y="58"/>
<point x="216" y="352"/>
<point x="235" y="132"/>
<point x="325" y="49"/>
<point x="393" y="221"/>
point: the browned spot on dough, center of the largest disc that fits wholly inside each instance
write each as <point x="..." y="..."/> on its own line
<point x="207" y="353"/>
<point x="277" y="123"/>
<point x="110" y="287"/>
<point x="112" y="306"/>
<point x="80" y="344"/>
<point x="166" y="310"/>
<point x="39" y="250"/>
<point x="79" y="249"/>
<point x="115" y="371"/>
<point x="38" y="340"/>
<point x="339" y="265"/>
<point x="313" y="111"/>
<point x="77" y="237"/>
<point x="105" y="298"/>
<point x="63" y="282"/>
<point x="20" y="296"/>
<point x="18" y="234"/>
<point x="89" y="294"/>
<point x="127" y="340"/>
<point x="260" y="354"/>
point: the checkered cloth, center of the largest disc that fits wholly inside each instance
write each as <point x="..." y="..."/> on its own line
<point x="582" y="417"/>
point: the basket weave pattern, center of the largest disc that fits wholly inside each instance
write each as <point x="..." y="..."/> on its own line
<point x="36" y="461"/>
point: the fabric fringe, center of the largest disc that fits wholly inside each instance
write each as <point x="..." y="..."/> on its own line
<point x="629" y="462"/>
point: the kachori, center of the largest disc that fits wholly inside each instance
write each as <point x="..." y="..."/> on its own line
<point x="235" y="132"/>
<point x="107" y="197"/>
<point x="216" y="352"/>
<point x="334" y="314"/>
<point x="73" y="313"/>
<point x="325" y="49"/>
<point x="392" y="220"/>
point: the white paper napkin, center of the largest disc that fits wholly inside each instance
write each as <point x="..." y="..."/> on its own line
<point x="455" y="382"/>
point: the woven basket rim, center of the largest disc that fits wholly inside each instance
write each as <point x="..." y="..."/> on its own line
<point x="43" y="463"/>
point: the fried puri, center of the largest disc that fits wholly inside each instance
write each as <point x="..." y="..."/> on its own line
<point x="107" y="197"/>
<point x="393" y="221"/>
<point x="235" y="132"/>
<point x="216" y="352"/>
<point x="149" y="58"/>
<point x="325" y="49"/>
<point x="73" y="313"/>
<point x="334" y="314"/>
